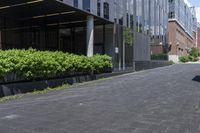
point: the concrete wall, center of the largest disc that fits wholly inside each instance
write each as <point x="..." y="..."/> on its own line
<point x="141" y="47"/>
<point x="174" y="58"/>
<point x="143" y="65"/>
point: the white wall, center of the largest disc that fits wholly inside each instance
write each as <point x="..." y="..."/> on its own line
<point x="174" y="58"/>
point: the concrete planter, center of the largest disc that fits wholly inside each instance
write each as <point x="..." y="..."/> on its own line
<point x="12" y="85"/>
<point x="17" y="86"/>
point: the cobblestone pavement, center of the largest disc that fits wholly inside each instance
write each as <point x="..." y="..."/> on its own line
<point x="163" y="100"/>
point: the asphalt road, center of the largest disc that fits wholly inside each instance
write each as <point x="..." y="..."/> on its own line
<point x="163" y="100"/>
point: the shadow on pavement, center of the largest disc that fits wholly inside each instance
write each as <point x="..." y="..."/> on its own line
<point x="196" y="78"/>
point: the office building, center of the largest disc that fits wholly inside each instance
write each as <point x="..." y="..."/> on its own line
<point x="87" y="27"/>
<point x="182" y="29"/>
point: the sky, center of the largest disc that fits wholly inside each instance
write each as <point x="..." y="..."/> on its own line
<point x="195" y="3"/>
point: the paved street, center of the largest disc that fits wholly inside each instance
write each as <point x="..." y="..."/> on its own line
<point x="163" y="100"/>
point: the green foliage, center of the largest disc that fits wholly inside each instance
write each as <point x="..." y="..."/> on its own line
<point x="33" y="64"/>
<point x="100" y="63"/>
<point x="193" y="56"/>
<point x="9" y="98"/>
<point x="160" y="56"/>
<point x="184" y="59"/>
<point x="128" y="36"/>
<point x="171" y="62"/>
<point x="194" y="52"/>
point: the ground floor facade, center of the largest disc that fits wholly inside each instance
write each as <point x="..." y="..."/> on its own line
<point x="54" y="25"/>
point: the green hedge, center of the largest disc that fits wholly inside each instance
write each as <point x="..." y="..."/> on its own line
<point x="160" y="56"/>
<point x="188" y="58"/>
<point x="34" y="64"/>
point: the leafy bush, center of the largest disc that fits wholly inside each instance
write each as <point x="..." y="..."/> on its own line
<point x="128" y="36"/>
<point x="160" y="56"/>
<point x="33" y="64"/>
<point x="193" y="56"/>
<point x="101" y="63"/>
<point x="184" y="59"/>
<point x="194" y="52"/>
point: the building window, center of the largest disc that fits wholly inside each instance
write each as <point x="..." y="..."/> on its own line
<point x="86" y="5"/>
<point x="171" y="15"/>
<point x="121" y="21"/>
<point x="171" y="1"/>
<point x="139" y="15"/>
<point x="99" y="8"/>
<point x="127" y="19"/>
<point x="131" y="21"/>
<point x="106" y="10"/>
<point x="75" y="3"/>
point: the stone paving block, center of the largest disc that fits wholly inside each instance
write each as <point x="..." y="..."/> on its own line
<point x="163" y="100"/>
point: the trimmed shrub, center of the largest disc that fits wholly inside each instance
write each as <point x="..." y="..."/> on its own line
<point x="33" y="64"/>
<point x="101" y="63"/>
<point x="160" y="56"/>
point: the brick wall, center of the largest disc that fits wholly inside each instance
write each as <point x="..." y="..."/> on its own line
<point x="179" y="41"/>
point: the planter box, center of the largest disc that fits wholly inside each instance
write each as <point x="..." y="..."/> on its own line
<point x="20" y="87"/>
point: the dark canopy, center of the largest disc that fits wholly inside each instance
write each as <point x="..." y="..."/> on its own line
<point x="38" y="12"/>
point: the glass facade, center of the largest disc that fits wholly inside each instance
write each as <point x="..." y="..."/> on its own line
<point x="183" y="14"/>
<point x="76" y="3"/>
<point x="150" y="17"/>
<point x="86" y="5"/>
